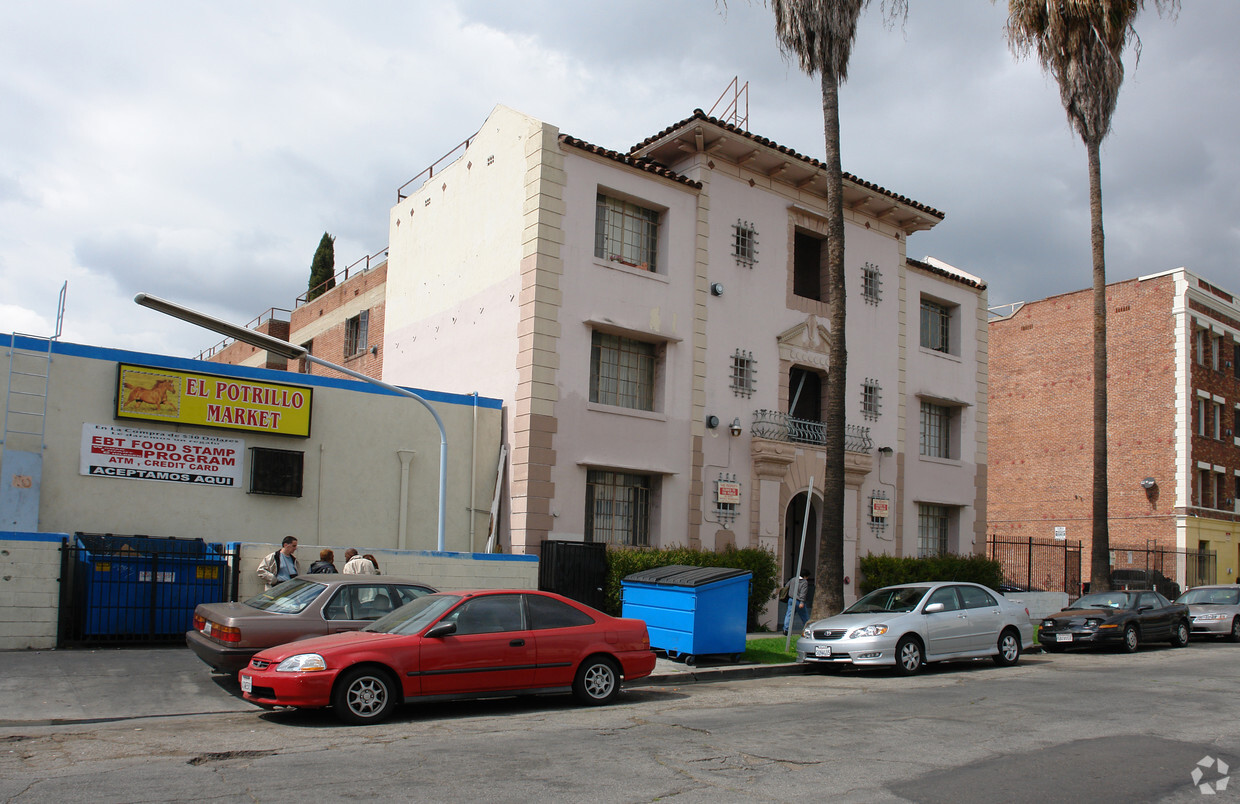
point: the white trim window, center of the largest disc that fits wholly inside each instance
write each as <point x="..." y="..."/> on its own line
<point x="622" y="371"/>
<point x="744" y="373"/>
<point x="933" y="525"/>
<point x="626" y="233"/>
<point x="871" y="399"/>
<point x="744" y="243"/>
<point x="871" y="283"/>
<point x="618" y="507"/>
<point x="936" y="430"/>
<point x="935" y="326"/>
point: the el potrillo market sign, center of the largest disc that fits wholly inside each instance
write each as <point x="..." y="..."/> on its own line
<point x="207" y="400"/>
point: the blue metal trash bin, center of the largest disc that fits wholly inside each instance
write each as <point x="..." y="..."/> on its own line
<point x="690" y="611"/>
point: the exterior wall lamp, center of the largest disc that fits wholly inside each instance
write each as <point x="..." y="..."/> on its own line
<point x="735" y="427"/>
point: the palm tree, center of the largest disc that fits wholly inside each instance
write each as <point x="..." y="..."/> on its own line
<point x="820" y="34"/>
<point x="1080" y="43"/>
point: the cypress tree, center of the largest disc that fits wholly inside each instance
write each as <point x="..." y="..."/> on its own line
<point x="323" y="268"/>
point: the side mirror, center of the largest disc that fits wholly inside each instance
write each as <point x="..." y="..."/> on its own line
<point x="440" y="630"/>
<point x="932" y="608"/>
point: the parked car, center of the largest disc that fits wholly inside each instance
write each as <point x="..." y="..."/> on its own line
<point x="227" y="635"/>
<point x="1214" y="610"/>
<point x="456" y="644"/>
<point x="1126" y="619"/>
<point x="912" y="624"/>
<point x="1134" y="580"/>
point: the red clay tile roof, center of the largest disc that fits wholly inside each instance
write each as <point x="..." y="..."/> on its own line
<point x="698" y="114"/>
<point x="964" y="280"/>
<point x="639" y="162"/>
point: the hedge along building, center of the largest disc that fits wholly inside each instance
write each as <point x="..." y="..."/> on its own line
<point x="136" y="443"/>
<point x="656" y="322"/>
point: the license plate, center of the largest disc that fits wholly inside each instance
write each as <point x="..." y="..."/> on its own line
<point x="1063" y="637"/>
<point x="822" y="651"/>
<point x="247" y="683"/>
<point x="206" y="629"/>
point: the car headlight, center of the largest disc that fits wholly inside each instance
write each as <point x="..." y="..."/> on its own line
<point x="1092" y="623"/>
<point x="1048" y="623"/>
<point x="302" y="663"/>
<point x="868" y="631"/>
<point x="808" y="633"/>
<point x="1211" y="616"/>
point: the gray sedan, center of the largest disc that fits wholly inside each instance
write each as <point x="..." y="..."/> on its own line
<point x="1214" y="610"/>
<point x="227" y="635"/>
<point x="911" y="625"/>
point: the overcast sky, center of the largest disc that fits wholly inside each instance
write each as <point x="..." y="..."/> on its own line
<point x="197" y="151"/>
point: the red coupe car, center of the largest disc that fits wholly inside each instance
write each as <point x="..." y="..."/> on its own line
<point x="451" y="645"/>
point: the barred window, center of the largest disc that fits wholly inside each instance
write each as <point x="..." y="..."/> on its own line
<point x="618" y="508"/>
<point x="744" y="372"/>
<point x="871" y="398"/>
<point x="622" y="371"/>
<point x="745" y="243"/>
<point x="355" y="333"/>
<point x="932" y="522"/>
<point x="626" y="233"/>
<point x="935" y="325"/>
<point x="936" y="427"/>
<point x="871" y="283"/>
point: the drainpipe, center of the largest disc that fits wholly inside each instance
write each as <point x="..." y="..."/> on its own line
<point x="402" y="532"/>
<point x="473" y="476"/>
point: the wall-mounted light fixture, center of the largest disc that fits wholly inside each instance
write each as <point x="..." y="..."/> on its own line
<point x="716" y="289"/>
<point x="1149" y="483"/>
<point x="735" y="427"/>
<point x="885" y="450"/>
<point x="712" y="422"/>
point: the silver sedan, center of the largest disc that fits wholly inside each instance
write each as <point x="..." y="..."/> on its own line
<point x="1214" y="610"/>
<point x="910" y="625"/>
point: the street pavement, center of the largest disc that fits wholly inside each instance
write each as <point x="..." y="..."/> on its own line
<point x="106" y="684"/>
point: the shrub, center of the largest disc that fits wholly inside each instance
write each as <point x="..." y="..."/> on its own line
<point x="884" y="570"/>
<point x="624" y="561"/>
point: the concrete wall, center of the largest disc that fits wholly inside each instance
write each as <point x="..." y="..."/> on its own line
<point x="29" y="589"/>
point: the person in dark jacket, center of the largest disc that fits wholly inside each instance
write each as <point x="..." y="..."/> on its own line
<point x="325" y="563"/>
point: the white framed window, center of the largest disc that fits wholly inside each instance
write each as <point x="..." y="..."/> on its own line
<point x="1199" y="337"/>
<point x="618" y="507"/>
<point x="1201" y="416"/>
<point x="871" y="399"/>
<point x="626" y="233"/>
<point x="871" y="283"/>
<point x="1216" y="351"/>
<point x="355" y="333"/>
<point x="1205" y="488"/>
<point x="622" y="371"/>
<point x="933" y="525"/>
<point x="936" y="320"/>
<point x="744" y="243"/>
<point x="744" y="373"/>
<point x="937" y="430"/>
<point x="1218" y="421"/>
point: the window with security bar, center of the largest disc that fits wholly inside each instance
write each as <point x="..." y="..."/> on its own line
<point x="745" y="243"/>
<point x="935" y="326"/>
<point x="871" y="399"/>
<point x="932" y="528"/>
<point x="622" y="371"/>
<point x="626" y="233"/>
<point x="744" y="373"/>
<point x="618" y="508"/>
<point x="936" y="430"/>
<point x="871" y="283"/>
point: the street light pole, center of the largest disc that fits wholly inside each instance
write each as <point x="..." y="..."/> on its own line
<point x="292" y="351"/>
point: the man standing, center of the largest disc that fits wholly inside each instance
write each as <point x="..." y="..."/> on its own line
<point x="281" y="565"/>
<point x="355" y="564"/>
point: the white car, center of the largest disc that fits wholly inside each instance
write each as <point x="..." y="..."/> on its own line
<point x="913" y="624"/>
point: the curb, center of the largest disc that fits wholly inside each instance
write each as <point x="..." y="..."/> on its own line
<point x="706" y="675"/>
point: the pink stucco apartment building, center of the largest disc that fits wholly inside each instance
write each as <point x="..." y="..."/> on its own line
<point x="656" y="322"/>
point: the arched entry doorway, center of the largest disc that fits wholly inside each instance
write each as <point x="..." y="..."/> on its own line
<point x="794" y="522"/>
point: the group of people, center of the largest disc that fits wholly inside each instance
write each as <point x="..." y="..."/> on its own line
<point x="282" y="565"/>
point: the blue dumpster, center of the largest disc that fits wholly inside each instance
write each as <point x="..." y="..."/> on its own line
<point x="690" y="611"/>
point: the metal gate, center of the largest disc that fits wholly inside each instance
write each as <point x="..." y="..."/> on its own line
<point x="577" y="570"/>
<point x="138" y="589"/>
<point x="1039" y="565"/>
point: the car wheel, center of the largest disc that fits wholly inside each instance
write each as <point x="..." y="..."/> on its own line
<point x="1179" y="634"/>
<point x="1235" y="630"/>
<point x="364" y="695"/>
<point x="908" y="656"/>
<point x="1009" y="649"/>
<point x="597" y="681"/>
<point x="1132" y="640"/>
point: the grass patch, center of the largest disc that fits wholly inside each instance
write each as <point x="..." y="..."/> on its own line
<point x="770" y="650"/>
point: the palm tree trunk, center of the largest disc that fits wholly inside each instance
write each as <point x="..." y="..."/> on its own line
<point x="829" y="573"/>
<point x="1100" y="554"/>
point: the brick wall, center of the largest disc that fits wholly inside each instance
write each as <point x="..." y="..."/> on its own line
<point x="1041" y="413"/>
<point x="323" y="321"/>
<point x="29" y="590"/>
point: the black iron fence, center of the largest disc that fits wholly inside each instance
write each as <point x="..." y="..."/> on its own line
<point x="1152" y="566"/>
<point x="138" y="589"/>
<point x="1038" y="565"/>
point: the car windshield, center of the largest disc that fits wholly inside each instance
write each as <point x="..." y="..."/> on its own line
<point x="290" y="597"/>
<point x="413" y="617"/>
<point x="1216" y="597"/>
<point x="896" y="598"/>
<point x="1104" y="600"/>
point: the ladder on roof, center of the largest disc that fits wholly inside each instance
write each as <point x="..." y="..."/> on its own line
<point x="26" y="390"/>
